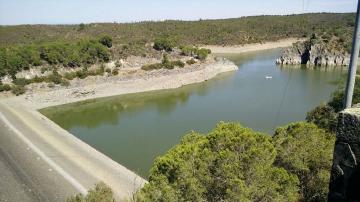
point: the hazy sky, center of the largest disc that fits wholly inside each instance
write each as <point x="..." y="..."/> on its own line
<point x="77" y="11"/>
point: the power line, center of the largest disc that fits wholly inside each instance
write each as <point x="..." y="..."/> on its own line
<point x="278" y="113"/>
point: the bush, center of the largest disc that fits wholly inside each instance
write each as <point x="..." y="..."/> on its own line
<point x="70" y="75"/>
<point x="21" y="81"/>
<point x="164" y="43"/>
<point x="65" y="83"/>
<point x="55" y="77"/>
<point x="106" y="41"/>
<point x="202" y="54"/>
<point x="38" y="79"/>
<point x="81" y="74"/>
<point x="5" y="87"/>
<point x="101" y="193"/>
<point x="191" y="62"/>
<point x="108" y="70"/>
<point x="115" y="72"/>
<point x="178" y="63"/>
<point x="306" y="151"/>
<point x="18" y="90"/>
<point x="324" y="117"/>
<point x="231" y="163"/>
<point x="152" y="67"/>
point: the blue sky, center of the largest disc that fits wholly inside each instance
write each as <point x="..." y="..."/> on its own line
<point x="77" y="11"/>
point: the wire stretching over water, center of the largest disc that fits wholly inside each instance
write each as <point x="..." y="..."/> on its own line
<point x="278" y="113"/>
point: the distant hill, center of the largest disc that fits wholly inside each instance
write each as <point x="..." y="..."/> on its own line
<point x="216" y="32"/>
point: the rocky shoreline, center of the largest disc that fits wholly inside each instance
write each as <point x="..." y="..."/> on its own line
<point x="101" y="86"/>
<point x="306" y="53"/>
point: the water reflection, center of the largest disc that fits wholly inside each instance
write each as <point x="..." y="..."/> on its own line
<point x="96" y="112"/>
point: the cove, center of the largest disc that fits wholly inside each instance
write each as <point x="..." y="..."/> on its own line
<point x="133" y="129"/>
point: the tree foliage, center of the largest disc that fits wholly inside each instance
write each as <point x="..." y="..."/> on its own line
<point x="17" y="58"/>
<point x="231" y="163"/>
<point x="199" y="53"/>
<point x="106" y="41"/>
<point x="101" y="193"/>
<point x="306" y="151"/>
<point x="164" y="43"/>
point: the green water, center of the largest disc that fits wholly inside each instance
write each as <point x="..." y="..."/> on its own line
<point x="134" y="129"/>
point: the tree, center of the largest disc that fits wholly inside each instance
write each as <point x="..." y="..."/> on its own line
<point x="164" y="43"/>
<point x="231" y="163"/>
<point x="306" y="151"/>
<point x="106" y="41"/>
<point x="81" y="26"/>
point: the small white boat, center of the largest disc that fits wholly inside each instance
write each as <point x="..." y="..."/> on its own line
<point x="268" y="77"/>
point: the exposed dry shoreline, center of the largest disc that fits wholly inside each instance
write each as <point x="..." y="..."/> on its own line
<point x="102" y="168"/>
<point x="253" y="47"/>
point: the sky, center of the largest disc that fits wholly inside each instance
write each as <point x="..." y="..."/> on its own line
<point x="13" y="12"/>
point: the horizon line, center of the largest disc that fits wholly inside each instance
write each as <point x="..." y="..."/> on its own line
<point x="164" y="20"/>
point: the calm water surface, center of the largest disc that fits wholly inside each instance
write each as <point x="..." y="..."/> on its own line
<point x="134" y="129"/>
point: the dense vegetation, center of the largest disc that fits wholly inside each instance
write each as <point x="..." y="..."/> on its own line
<point x="233" y="163"/>
<point x="101" y="193"/>
<point x="85" y="52"/>
<point x="222" y="32"/>
<point x="306" y="151"/>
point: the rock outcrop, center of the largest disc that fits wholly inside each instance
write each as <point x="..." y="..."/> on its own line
<point x="306" y="53"/>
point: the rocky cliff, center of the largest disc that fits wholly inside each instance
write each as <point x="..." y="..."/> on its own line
<point x="313" y="54"/>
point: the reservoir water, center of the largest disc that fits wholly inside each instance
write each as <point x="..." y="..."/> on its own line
<point x="134" y="129"/>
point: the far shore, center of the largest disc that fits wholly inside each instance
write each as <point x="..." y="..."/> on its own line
<point x="253" y="47"/>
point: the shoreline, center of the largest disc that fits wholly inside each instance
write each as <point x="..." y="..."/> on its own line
<point x="236" y="49"/>
<point x="100" y="167"/>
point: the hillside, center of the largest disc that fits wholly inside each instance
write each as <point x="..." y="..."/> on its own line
<point x="215" y="32"/>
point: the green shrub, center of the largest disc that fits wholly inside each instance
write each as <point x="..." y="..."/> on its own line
<point x="115" y="72"/>
<point x="231" y="163"/>
<point x="188" y="50"/>
<point x="152" y="66"/>
<point x="202" y="53"/>
<point x="106" y="41"/>
<point x="108" y="70"/>
<point x="81" y="74"/>
<point x="65" y="83"/>
<point x="21" y="81"/>
<point x="101" y="193"/>
<point x="55" y="77"/>
<point x="178" y="63"/>
<point x="191" y="62"/>
<point x="70" y="75"/>
<point x="18" y="90"/>
<point x="164" y="43"/>
<point x="306" y="151"/>
<point x="324" y="116"/>
<point x="38" y="79"/>
<point x="5" y="87"/>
